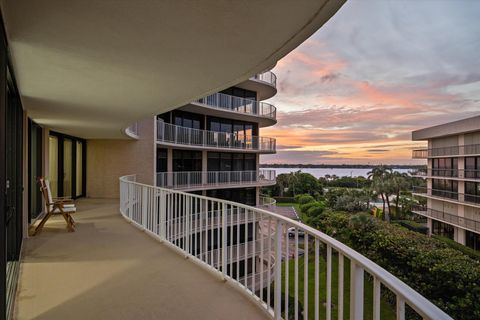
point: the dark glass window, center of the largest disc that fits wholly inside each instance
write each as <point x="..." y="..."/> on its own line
<point x="184" y="160"/>
<point x="472" y="240"/>
<point x="218" y="161"/>
<point x="241" y="195"/>
<point x="162" y="160"/>
<point x="442" y="229"/>
<point x="472" y="192"/>
<point x="445" y="167"/>
<point x="445" y="188"/>
<point x="472" y="167"/>
<point x="187" y="119"/>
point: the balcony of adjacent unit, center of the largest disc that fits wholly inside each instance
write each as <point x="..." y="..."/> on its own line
<point x="451" y="151"/>
<point x="468" y="199"/>
<point x="178" y="136"/>
<point x="453" y="219"/>
<point x="204" y="180"/>
<point x="450" y="174"/>
<point x="264" y="84"/>
<point x="235" y="108"/>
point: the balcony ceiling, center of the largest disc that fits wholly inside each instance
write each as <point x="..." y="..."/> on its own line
<point x="90" y="68"/>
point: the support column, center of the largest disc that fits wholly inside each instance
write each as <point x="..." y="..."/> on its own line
<point x="169" y="166"/>
<point x="459" y="235"/>
<point x="204" y="166"/>
<point x="429" y="225"/>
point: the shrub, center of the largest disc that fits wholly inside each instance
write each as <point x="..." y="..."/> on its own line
<point x="304" y="198"/>
<point x="316" y="209"/>
<point x="305" y="207"/>
<point x="455" y="245"/>
<point x="445" y="276"/>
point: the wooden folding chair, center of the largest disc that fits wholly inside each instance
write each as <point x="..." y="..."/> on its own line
<point x="64" y="206"/>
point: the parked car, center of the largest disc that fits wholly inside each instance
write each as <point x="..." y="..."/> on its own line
<point x="291" y="232"/>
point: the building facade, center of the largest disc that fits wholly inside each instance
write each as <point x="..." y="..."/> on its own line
<point x="453" y="180"/>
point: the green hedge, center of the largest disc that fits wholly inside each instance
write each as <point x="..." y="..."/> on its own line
<point x="457" y="246"/>
<point x="412" y="225"/>
<point x="445" y="276"/>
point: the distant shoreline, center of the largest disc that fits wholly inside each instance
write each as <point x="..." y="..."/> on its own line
<point x="338" y="166"/>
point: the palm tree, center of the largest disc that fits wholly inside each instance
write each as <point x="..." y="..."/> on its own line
<point x="380" y="184"/>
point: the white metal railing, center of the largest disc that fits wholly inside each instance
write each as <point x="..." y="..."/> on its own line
<point x="174" y="134"/>
<point x="199" y="179"/>
<point x="268" y="77"/>
<point x="266" y="201"/>
<point x="153" y="209"/>
<point x="237" y="104"/>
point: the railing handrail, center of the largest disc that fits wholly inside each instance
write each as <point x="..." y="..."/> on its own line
<point x="404" y="293"/>
<point x="262" y="109"/>
<point x="464" y="149"/>
<point x="452" y="173"/>
<point x="467" y="222"/>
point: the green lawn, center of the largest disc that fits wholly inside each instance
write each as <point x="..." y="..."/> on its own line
<point x="387" y="312"/>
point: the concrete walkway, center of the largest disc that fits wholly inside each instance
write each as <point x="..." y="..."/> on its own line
<point x="109" y="269"/>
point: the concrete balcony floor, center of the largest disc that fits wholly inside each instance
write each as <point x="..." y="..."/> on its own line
<point x="109" y="269"/>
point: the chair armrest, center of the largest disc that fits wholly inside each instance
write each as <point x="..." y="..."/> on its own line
<point x="63" y="200"/>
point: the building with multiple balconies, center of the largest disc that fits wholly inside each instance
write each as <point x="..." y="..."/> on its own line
<point x="453" y="180"/>
<point x="73" y="77"/>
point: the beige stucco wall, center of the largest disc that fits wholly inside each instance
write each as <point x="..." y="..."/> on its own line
<point x="107" y="160"/>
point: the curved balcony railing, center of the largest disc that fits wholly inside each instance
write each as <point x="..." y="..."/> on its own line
<point x="450" y="195"/>
<point x="132" y="131"/>
<point x="468" y="149"/>
<point x="268" y="77"/>
<point x="469" y="174"/>
<point x="462" y="222"/>
<point x="151" y="208"/>
<point x="201" y="179"/>
<point x="173" y="134"/>
<point x="241" y="105"/>
<point x="266" y="201"/>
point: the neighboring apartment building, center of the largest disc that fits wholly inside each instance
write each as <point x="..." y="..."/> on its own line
<point x="453" y="180"/>
<point x="212" y="147"/>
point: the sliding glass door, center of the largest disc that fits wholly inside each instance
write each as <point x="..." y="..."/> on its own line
<point x="67" y="165"/>
<point x="35" y="156"/>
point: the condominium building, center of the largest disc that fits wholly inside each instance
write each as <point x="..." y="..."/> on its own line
<point x="453" y="180"/>
<point x="73" y="78"/>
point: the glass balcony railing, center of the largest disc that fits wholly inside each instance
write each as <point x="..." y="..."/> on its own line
<point x="172" y="134"/>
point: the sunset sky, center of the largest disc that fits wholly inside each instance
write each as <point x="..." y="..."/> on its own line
<point x="355" y="90"/>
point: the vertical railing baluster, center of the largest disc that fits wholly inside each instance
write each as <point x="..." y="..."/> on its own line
<point x="224" y="241"/>
<point x="305" y="276"/>
<point x="317" y="281"/>
<point x="356" y="291"/>
<point x="329" y="283"/>
<point x="296" y="297"/>
<point x="287" y="256"/>
<point x="376" y="298"/>
<point x="400" y="308"/>
<point x="245" y="246"/>
<point x="340" y="285"/>
<point x="278" y="272"/>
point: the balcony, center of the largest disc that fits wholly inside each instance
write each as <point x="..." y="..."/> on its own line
<point x="267" y="77"/>
<point x="420" y="154"/>
<point x="449" y="218"/>
<point x="224" y="105"/>
<point x="453" y="174"/>
<point x="202" y="180"/>
<point x="450" y="196"/>
<point x="108" y="269"/>
<point x="151" y="208"/>
<point x="169" y="134"/>
<point x="452" y="151"/>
